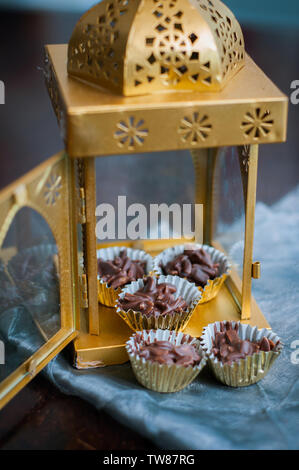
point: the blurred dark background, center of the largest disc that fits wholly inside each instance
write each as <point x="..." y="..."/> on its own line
<point x="29" y="134"/>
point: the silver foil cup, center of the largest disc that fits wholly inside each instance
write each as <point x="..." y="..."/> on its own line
<point x="246" y="371"/>
<point x="211" y="289"/>
<point x="161" y="377"/>
<point x="107" y="295"/>
<point x="176" y="321"/>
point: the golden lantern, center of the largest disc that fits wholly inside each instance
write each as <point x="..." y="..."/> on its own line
<point x="136" y="77"/>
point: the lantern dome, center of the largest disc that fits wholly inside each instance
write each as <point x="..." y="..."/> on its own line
<point x="136" y="47"/>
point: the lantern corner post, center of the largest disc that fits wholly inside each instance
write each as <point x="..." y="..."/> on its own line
<point x="248" y="158"/>
<point x="204" y="162"/>
<point x="88" y="182"/>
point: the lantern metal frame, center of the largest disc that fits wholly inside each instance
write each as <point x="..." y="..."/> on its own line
<point x="241" y="107"/>
<point x="248" y="112"/>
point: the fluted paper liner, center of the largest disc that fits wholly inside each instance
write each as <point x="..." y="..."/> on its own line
<point x="212" y="287"/>
<point x="107" y="295"/>
<point x="161" y="377"/>
<point x="176" y="321"/>
<point x="246" y="371"/>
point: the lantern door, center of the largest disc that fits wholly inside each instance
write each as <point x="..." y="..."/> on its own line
<point x="37" y="299"/>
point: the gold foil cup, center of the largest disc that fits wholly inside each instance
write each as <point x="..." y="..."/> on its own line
<point x="246" y="371"/>
<point x="211" y="289"/>
<point x="107" y="295"/>
<point x="177" y="321"/>
<point x="161" y="377"/>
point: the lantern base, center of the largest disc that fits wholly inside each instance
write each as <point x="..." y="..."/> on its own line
<point x="109" y="347"/>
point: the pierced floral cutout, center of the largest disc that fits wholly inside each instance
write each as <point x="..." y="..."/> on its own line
<point x="94" y="51"/>
<point x="54" y="95"/>
<point x="257" y="123"/>
<point x="52" y="189"/>
<point x="172" y="50"/>
<point x="195" y="129"/>
<point x="228" y="34"/>
<point x="131" y="133"/>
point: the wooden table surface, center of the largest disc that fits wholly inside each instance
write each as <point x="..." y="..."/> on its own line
<point x="40" y="417"/>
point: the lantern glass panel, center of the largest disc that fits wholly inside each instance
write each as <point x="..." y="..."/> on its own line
<point x="29" y="287"/>
<point x="229" y="208"/>
<point x="147" y="179"/>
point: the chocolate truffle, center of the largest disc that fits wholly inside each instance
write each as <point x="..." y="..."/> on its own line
<point x="228" y="347"/>
<point x="121" y="271"/>
<point x="194" y="265"/>
<point x="153" y="299"/>
<point x="165" y="352"/>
